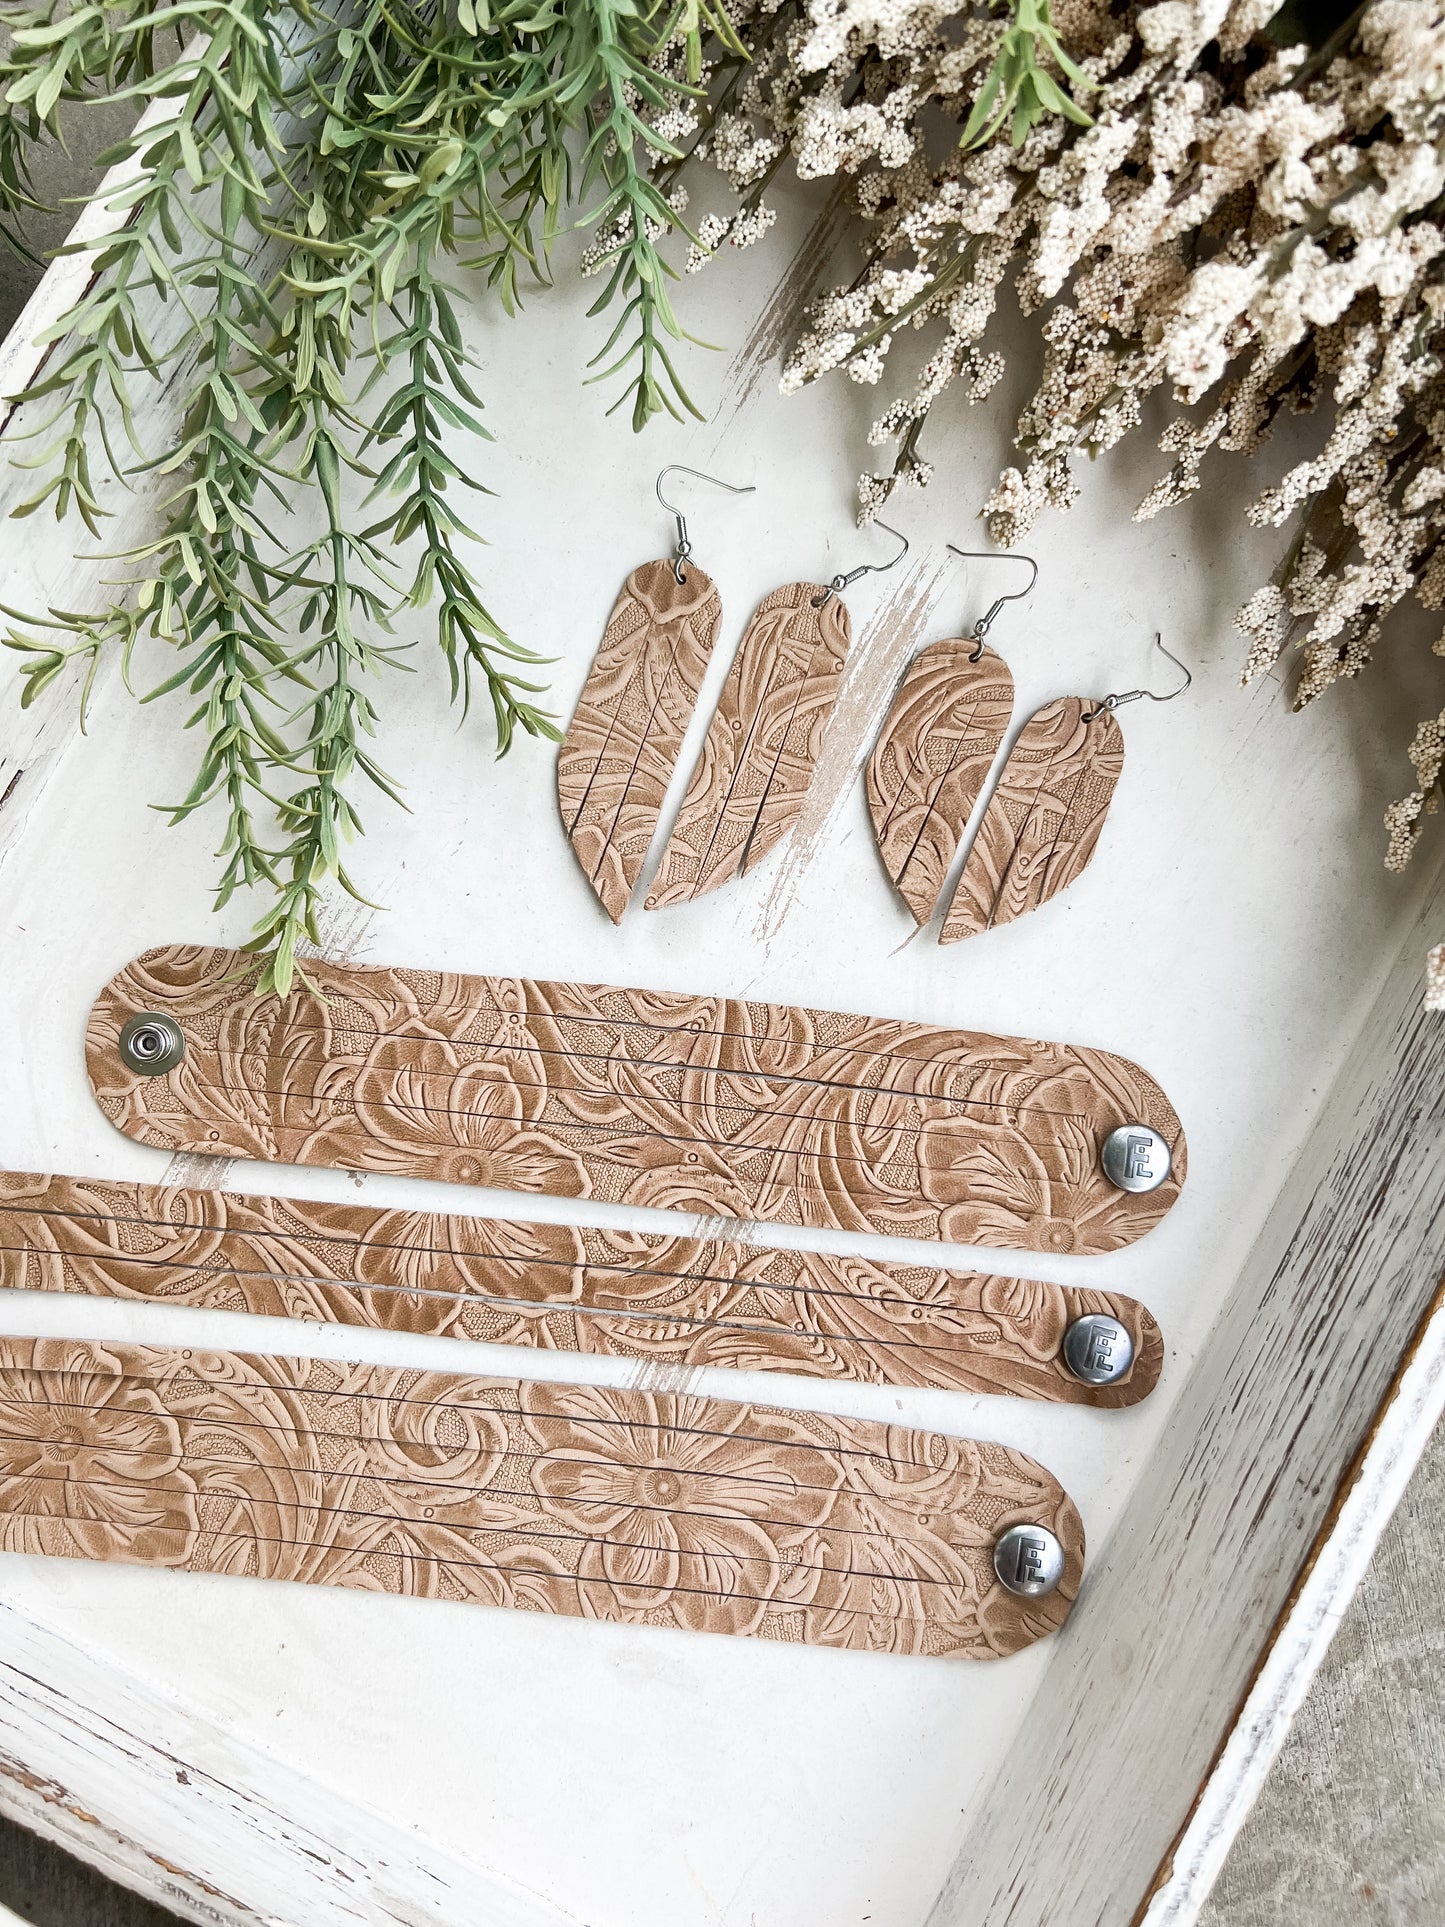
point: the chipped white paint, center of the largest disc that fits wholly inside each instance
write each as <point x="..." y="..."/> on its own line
<point x="1298" y="1650"/>
<point x="442" y="1765"/>
<point x="271" y="1850"/>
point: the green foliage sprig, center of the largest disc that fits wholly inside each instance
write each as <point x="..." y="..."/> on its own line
<point x="300" y="183"/>
<point x="1019" y="89"/>
<point x="298" y="180"/>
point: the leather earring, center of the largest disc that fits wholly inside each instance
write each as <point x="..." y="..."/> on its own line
<point x="617" y="758"/>
<point x="1042" y="824"/>
<point x="928" y="766"/>
<point x="766" y="733"/>
<point x="927" y="770"/>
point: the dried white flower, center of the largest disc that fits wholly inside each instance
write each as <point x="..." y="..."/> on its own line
<point x="1259" y="229"/>
<point x="1435" y="978"/>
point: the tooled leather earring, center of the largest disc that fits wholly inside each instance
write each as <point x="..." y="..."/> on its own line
<point x="765" y="737"/>
<point x="1042" y="824"/>
<point x="617" y="757"/>
<point x="928" y="766"/>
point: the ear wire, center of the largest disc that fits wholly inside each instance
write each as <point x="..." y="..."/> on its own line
<point x="985" y="621"/>
<point x="840" y="582"/>
<point x="1118" y="700"/>
<point x="683" y="548"/>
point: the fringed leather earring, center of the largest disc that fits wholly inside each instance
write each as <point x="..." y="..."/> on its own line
<point x="766" y="734"/>
<point x="1043" y="820"/>
<point x="934" y="752"/>
<point x="617" y="758"/>
<point x="928" y="765"/>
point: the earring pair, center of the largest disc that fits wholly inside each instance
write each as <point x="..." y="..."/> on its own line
<point x="928" y="766"/>
<point x="762" y="746"/>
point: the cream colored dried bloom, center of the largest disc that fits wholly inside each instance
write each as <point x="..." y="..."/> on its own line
<point x="1435" y="978"/>
<point x="1256" y="229"/>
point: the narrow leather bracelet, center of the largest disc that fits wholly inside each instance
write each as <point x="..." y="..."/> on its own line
<point x="578" y="1288"/>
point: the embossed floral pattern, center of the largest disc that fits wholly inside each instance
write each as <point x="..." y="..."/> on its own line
<point x="90" y="1464"/>
<point x="1043" y="821"/>
<point x="925" y="772"/>
<point x="617" y="759"/>
<point x="689" y="1518"/>
<point x="679" y="1102"/>
<point x="566" y="1287"/>
<point x="762" y="744"/>
<point x="667" y="1510"/>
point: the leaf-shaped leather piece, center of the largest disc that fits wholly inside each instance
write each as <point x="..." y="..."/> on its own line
<point x="1043" y="821"/>
<point x="762" y="747"/>
<point x="932" y="755"/>
<point x="617" y="759"/>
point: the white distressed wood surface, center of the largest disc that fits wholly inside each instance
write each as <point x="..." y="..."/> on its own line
<point x="1350" y="1257"/>
<point x="273" y="1848"/>
<point x="1298" y="1650"/>
<point x="1235" y="934"/>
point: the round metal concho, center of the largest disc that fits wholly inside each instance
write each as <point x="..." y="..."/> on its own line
<point x="151" y="1044"/>
<point x="1135" y="1158"/>
<point x="1029" y="1561"/>
<point x="1098" y="1349"/>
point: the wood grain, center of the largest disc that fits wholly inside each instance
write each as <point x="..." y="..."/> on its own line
<point x="1043" y="821"/>
<point x="561" y="1287"/>
<point x="679" y="1102"/>
<point x="762" y="745"/>
<point x="1257" y="1451"/>
<point x="649" y="1507"/>
<point x="930" y="760"/>
<point x="117" y="1768"/>
<point x="616" y="760"/>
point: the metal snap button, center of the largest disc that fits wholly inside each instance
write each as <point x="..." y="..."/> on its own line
<point x="1029" y="1561"/>
<point x="1135" y="1158"/>
<point x="1098" y="1349"/>
<point x="151" y="1044"/>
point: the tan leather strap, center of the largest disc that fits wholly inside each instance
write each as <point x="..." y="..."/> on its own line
<point x="651" y="1098"/>
<point x="565" y="1288"/>
<point x="650" y="1507"/>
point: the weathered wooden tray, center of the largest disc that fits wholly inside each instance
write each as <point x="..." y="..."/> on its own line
<point x="291" y="1754"/>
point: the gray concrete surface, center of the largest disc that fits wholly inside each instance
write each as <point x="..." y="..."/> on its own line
<point x="63" y="178"/>
<point x="1350" y="1830"/>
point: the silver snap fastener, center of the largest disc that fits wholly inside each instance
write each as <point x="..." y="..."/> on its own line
<point x="1098" y="1349"/>
<point x="1135" y="1158"/>
<point x="1029" y="1561"/>
<point x="151" y="1044"/>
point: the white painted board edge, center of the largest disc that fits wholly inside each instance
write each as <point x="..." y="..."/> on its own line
<point x="1296" y="1653"/>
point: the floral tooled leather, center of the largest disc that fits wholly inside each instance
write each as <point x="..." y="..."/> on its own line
<point x="673" y="1300"/>
<point x="651" y="1508"/>
<point x="927" y="768"/>
<point x="685" y="1103"/>
<point x="616" y="760"/>
<point x="762" y="745"/>
<point x="1042" y="824"/>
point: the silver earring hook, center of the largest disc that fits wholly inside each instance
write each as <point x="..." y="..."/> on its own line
<point x="1133" y="695"/>
<point x="683" y="548"/>
<point x="840" y="582"/>
<point x="985" y="621"/>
